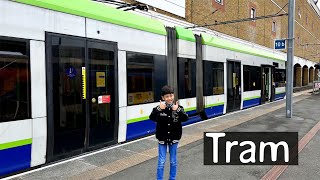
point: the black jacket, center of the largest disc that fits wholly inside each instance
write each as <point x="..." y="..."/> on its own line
<point x="169" y="126"/>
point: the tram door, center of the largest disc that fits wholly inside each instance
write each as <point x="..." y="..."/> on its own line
<point x="82" y="113"/>
<point x="233" y="85"/>
<point x="267" y="87"/>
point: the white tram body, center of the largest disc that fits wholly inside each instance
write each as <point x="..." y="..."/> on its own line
<point x="79" y="75"/>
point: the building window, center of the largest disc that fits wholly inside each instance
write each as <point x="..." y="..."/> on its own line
<point x="280" y="78"/>
<point x="252" y="78"/>
<point x="253" y="13"/>
<point x="15" y="100"/>
<point x="273" y="26"/>
<point x="146" y="75"/>
<point x="213" y="80"/>
<point x="186" y="78"/>
<point x="219" y="1"/>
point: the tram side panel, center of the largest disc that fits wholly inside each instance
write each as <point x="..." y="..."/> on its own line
<point x="23" y="143"/>
<point x="16" y="142"/>
<point x="187" y="78"/>
<point x="141" y="59"/>
<point x="122" y="71"/>
<point x="28" y="22"/>
<point x="25" y="139"/>
<point x="215" y="79"/>
<point x="39" y="103"/>
<point x="280" y="81"/>
<point x="251" y="79"/>
<point x="255" y="79"/>
<point x="250" y="87"/>
<point x="141" y="72"/>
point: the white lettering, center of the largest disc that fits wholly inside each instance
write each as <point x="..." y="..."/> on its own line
<point x="215" y="137"/>
<point x="274" y="150"/>
<point x="228" y="149"/>
<point x="252" y="150"/>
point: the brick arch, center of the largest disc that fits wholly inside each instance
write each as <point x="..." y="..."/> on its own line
<point x="305" y="75"/>
<point x="297" y="78"/>
<point x="311" y="74"/>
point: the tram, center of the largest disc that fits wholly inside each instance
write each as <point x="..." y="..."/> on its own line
<point x="78" y="75"/>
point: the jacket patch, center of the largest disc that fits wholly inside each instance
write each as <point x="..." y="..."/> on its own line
<point x="176" y="119"/>
<point x="163" y="114"/>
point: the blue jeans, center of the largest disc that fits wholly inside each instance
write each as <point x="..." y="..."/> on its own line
<point x="162" y="160"/>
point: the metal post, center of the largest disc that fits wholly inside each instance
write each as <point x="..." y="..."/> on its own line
<point x="290" y="55"/>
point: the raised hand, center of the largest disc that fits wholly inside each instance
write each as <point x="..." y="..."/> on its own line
<point x="175" y="106"/>
<point x="162" y="105"/>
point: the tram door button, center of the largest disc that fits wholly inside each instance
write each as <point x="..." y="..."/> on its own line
<point x="93" y="100"/>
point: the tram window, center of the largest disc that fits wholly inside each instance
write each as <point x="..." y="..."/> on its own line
<point x="14" y="80"/>
<point x="213" y="78"/>
<point x="280" y="78"/>
<point x="186" y="78"/>
<point x="252" y="78"/>
<point x="146" y="75"/>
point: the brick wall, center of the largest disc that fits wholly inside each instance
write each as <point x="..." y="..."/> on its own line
<point x="307" y="27"/>
<point x="260" y="31"/>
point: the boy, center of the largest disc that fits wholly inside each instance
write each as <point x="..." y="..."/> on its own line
<point x="168" y="116"/>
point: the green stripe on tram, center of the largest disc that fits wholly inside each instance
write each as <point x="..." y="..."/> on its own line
<point x="185" y="34"/>
<point x="252" y="97"/>
<point x="189" y="109"/>
<point x="215" y="104"/>
<point x="100" y="12"/>
<point x="134" y="120"/>
<point x="233" y="46"/>
<point x="280" y="92"/>
<point x="15" y="144"/>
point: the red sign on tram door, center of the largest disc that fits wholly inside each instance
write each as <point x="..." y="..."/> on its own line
<point x="104" y="99"/>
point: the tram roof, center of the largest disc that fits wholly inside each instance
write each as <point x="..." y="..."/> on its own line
<point x="238" y="47"/>
<point x="100" y="12"/>
<point x="185" y="34"/>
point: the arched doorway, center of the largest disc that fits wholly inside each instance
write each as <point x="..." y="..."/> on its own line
<point x="305" y="74"/>
<point x="311" y="74"/>
<point x="297" y="75"/>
